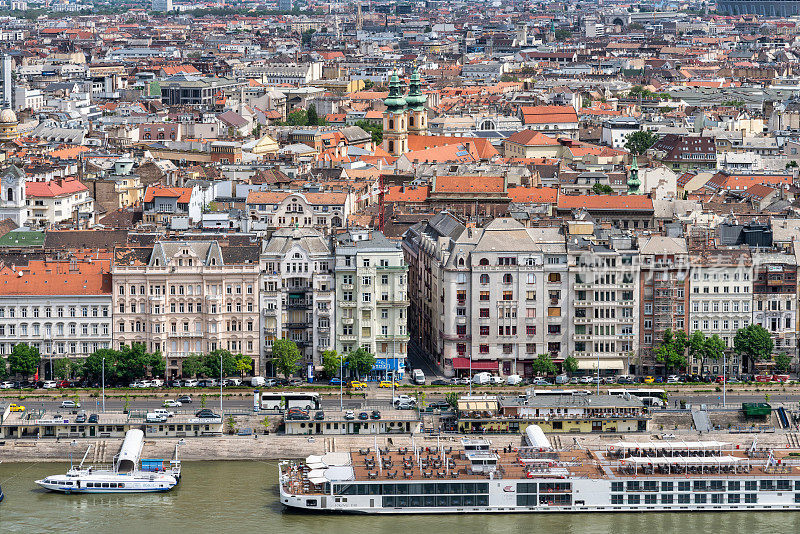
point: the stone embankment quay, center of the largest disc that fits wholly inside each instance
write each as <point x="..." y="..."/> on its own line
<point x="278" y="446"/>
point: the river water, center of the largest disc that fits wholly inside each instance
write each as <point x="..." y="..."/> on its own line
<point x="222" y="497"/>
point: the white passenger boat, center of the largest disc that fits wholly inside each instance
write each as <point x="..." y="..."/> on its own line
<point x="534" y="478"/>
<point x="125" y="475"/>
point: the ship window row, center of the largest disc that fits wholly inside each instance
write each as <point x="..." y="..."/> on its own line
<point x="453" y="488"/>
<point x="105" y="484"/>
<point x="703" y="485"/>
<point x="685" y="498"/>
<point x="544" y="500"/>
<point x="433" y="501"/>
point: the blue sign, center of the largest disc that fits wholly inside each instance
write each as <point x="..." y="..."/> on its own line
<point x="387" y="364"/>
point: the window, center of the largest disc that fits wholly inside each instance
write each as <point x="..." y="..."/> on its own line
<point x="484" y="295"/>
<point x="554" y="277"/>
<point x="484" y="312"/>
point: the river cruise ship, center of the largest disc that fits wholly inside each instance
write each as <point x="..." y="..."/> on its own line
<point x="648" y="476"/>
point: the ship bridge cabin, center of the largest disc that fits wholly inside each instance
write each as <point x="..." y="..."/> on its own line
<point x="482" y="462"/>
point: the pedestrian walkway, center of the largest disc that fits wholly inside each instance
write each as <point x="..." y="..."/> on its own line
<point x="701" y="421"/>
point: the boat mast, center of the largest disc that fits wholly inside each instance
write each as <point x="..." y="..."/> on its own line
<point x="84" y="456"/>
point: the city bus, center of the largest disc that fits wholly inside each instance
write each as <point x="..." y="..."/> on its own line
<point x="640" y="392"/>
<point x="284" y="400"/>
<point x="558" y="392"/>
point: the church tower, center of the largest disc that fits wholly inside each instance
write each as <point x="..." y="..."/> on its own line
<point x="417" y="114"/>
<point x="395" y="127"/>
<point x="634" y="183"/>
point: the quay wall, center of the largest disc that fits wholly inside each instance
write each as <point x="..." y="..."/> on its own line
<point x="277" y="446"/>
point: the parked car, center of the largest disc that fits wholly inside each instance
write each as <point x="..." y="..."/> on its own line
<point x="81" y="417"/>
<point x="296" y="414"/>
<point x="440" y="382"/>
<point x="355" y="384"/>
<point x="649" y="380"/>
<point x="270" y="383"/>
<point x="190" y="383"/>
<point x="496" y="380"/>
<point x="439" y="405"/>
<point x="169" y="403"/>
<point x="70" y="404"/>
<point x="388" y="384"/>
<point x="153" y="417"/>
<point x="541" y="382"/>
<point x="513" y="380"/>
<point x="184" y="399"/>
<point x="50" y="384"/>
<point x="418" y="377"/>
<point x="404" y="406"/>
<point x="349" y="415"/>
<point x="363" y="416"/>
<point x="295" y="382"/>
<point x="16" y="407"/>
<point x="375" y="414"/>
<point x="335" y="381"/>
<point x="205" y="413"/>
<point x="403" y="398"/>
<point x="319" y="416"/>
<point x="673" y="379"/>
<point x="164" y="411"/>
<point x="7" y="385"/>
<point x="174" y="383"/>
<point x="93" y="418"/>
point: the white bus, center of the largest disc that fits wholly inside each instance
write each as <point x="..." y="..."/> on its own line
<point x="284" y="400"/>
<point x="558" y="392"/>
<point x="642" y="393"/>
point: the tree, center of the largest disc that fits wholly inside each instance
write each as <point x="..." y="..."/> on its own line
<point x="639" y="142"/>
<point x="543" y="365"/>
<point x="298" y="117"/>
<point x="61" y="368"/>
<point x="332" y="363"/>
<point x="570" y="365"/>
<point x="452" y="399"/>
<point x="244" y="364"/>
<point x="93" y="365"/>
<point x="312" y="119"/>
<point x="368" y="84"/>
<point x="24" y="360"/>
<point x="133" y="363"/>
<point x="375" y="130"/>
<point x="602" y="189"/>
<point x="211" y="363"/>
<point x="754" y="343"/>
<point x="783" y="361"/>
<point x="158" y="365"/>
<point x="360" y="361"/>
<point x="697" y="343"/>
<point x="670" y="352"/>
<point x="192" y="366"/>
<point x="3" y="368"/>
<point x="285" y="356"/>
<point x="562" y="35"/>
<point x="714" y="348"/>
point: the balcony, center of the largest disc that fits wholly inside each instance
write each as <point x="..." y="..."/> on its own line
<point x="347" y="303"/>
<point x="324" y="313"/>
<point x="156" y="298"/>
<point x="270" y="312"/>
<point x="347" y="287"/>
<point x="299" y="289"/>
<point x="271" y="331"/>
<point x="345" y="338"/>
<point x="392" y="302"/>
<point x="296" y="326"/>
<point x="582" y="337"/>
<point x="397" y="337"/>
<point x="347" y="320"/>
<point x="398" y="268"/>
<point x="297" y="304"/>
<point x="582" y="320"/>
<point x="185" y="334"/>
<point x="213" y="298"/>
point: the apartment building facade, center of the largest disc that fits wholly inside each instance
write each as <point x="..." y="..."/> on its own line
<point x="63" y="308"/>
<point x="720" y="300"/>
<point x="297" y="294"/>
<point x="775" y="298"/>
<point x="187" y="297"/>
<point x="604" y="282"/>
<point x="372" y="300"/>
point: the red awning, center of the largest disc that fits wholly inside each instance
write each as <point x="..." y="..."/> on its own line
<point x="477" y="365"/>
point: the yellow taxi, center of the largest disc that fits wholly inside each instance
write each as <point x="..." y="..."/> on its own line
<point x="649" y="380"/>
<point x="388" y="384"/>
<point x="355" y="384"/>
<point x="16" y="407"/>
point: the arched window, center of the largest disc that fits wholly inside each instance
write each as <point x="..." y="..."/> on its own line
<point x="460" y="262"/>
<point x="391" y="146"/>
<point x="483" y="261"/>
<point x="411" y="121"/>
<point x="507" y="278"/>
<point x="11" y="194"/>
<point x="484" y="279"/>
<point x="391" y="124"/>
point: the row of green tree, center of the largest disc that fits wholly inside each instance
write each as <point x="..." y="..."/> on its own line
<point x="753" y="343"/>
<point x="286" y="357"/>
<point x="302" y="117"/>
<point x="126" y="365"/>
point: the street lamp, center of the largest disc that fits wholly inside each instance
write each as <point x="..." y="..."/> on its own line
<point x="341" y="381"/>
<point x="220" y="384"/>
<point x="104" y="384"/>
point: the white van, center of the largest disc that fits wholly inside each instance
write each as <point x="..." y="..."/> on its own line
<point x="164" y="412"/>
<point x="191" y="383"/>
<point x="653" y="402"/>
<point x="155" y="418"/>
<point x="482" y="378"/>
<point x="50" y="384"/>
<point x="156" y="383"/>
<point x="513" y="380"/>
<point x="419" y="376"/>
<point x="258" y="381"/>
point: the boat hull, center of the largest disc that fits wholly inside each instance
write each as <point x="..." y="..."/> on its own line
<point x="108" y="483"/>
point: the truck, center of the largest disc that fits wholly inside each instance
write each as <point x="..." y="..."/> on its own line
<point x="403" y="399"/>
<point x="258" y="381"/>
<point x="482" y="379"/>
<point x="418" y="376"/>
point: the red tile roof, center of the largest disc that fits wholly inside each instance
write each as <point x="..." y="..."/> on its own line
<point x="54" y="188"/>
<point x="606" y="202"/>
<point x="532" y="138"/>
<point x="397" y="194"/>
<point x="461" y="184"/>
<point x="57" y="278"/>
<point x="184" y="194"/>
<point x="548" y="114"/>
<point x="535" y="195"/>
